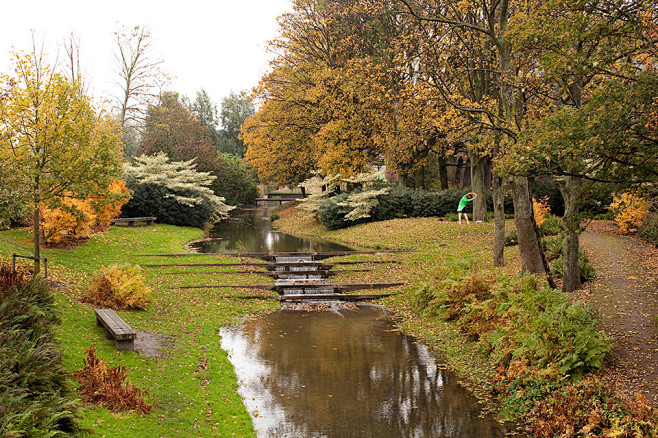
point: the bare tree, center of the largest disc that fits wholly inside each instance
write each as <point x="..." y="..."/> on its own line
<point x="141" y="78"/>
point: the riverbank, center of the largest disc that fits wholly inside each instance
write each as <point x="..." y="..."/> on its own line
<point x="186" y="373"/>
<point x="534" y="392"/>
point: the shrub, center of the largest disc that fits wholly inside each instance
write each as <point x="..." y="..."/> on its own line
<point x="76" y="219"/>
<point x="587" y="271"/>
<point x="173" y="191"/>
<point x="36" y="398"/>
<point x="109" y="387"/>
<point x="155" y="200"/>
<point x="332" y="212"/>
<point x="119" y="287"/>
<point x="511" y="238"/>
<point x="629" y="211"/>
<point x="552" y="246"/>
<point x="551" y="226"/>
<point x="649" y="227"/>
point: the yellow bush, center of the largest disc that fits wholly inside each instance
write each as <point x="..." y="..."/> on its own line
<point x="119" y="287"/>
<point x="629" y="211"/>
<point x="540" y="209"/>
<point x="79" y="218"/>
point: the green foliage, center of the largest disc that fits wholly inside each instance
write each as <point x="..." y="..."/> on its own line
<point x="649" y="227"/>
<point x="36" y="398"/>
<point x="511" y="238"/>
<point x="119" y="287"/>
<point x="406" y="202"/>
<point x="515" y="320"/>
<point x="332" y="212"/>
<point x="552" y="246"/>
<point x="237" y="182"/>
<point x="587" y="271"/>
<point x="551" y="225"/>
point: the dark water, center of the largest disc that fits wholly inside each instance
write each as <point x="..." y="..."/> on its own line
<point x="248" y="231"/>
<point x="347" y="373"/>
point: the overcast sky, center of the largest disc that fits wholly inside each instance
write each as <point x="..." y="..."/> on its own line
<point x="218" y="45"/>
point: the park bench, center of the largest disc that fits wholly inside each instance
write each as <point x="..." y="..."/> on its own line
<point x="116" y="328"/>
<point x="131" y="221"/>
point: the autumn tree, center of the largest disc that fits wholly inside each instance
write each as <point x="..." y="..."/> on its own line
<point x="171" y="127"/>
<point x="53" y="137"/>
<point x="501" y="112"/>
<point x="594" y="59"/>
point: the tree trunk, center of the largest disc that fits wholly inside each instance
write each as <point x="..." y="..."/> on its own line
<point x="478" y="185"/>
<point x="531" y="254"/>
<point x="37" y="241"/>
<point x="571" y="192"/>
<point x="498" y="192"/>
<point x="443" y="173"/>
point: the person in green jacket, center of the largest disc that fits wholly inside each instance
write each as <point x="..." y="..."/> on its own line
<point x="468" y="197"/>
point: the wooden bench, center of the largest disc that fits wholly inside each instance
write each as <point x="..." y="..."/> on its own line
<point x="131" y="221"/>
<point x="116" y="328"/>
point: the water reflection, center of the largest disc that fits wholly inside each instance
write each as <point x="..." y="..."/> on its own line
<point x="346" y="373"/>
<point x="248" y="231"/>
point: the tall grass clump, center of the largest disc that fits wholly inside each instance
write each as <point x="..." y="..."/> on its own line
<point x="36" y="395"/>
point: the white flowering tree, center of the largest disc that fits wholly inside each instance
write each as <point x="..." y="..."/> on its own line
<point x="183" y="183"/>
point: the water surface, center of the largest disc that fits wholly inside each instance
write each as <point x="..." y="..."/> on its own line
<point x="347" y="373"/>
<point x="248" y="230"/>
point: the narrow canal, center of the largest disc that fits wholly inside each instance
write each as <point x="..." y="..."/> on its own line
<point x="343" y="372"/>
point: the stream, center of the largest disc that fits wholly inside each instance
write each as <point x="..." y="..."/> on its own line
<point x="342" y="372"/>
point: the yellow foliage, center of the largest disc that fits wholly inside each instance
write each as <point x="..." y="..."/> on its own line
<point x="119" y="287"/>
<point x="629" y="211"/>
<point x="540" y="209"/>
<point x="77" y="219"/>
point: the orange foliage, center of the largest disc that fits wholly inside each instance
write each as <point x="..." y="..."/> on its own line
<point x="540" y="209"/>
<point x="109" y="387"/>
<point x="77" y="219"/>
<point x="629" y="211"/>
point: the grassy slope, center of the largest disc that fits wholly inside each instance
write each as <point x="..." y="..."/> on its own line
<point x="194" y="385"/>
<point x="434" y="246"/>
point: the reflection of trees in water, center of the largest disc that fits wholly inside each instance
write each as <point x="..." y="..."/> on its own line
<point x="251" y="228"/>
<point x="351" y="375"/>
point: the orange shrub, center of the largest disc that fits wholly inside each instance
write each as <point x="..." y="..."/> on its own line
<point x="540" y="209"/>
<point x="629" y="211"/>
<point x="79" y="218"/>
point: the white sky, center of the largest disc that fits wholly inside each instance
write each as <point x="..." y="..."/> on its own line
<point x="217" y="45"/>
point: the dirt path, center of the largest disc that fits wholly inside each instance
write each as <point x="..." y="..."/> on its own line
<point x="626" y="294"/>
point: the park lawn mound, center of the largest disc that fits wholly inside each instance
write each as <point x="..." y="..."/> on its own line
<point x="533" y="354"/>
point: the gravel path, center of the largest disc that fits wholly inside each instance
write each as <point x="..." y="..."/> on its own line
<point x="626" y="294"/>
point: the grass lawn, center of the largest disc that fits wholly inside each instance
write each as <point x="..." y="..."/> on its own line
<point x="193" y="384"/>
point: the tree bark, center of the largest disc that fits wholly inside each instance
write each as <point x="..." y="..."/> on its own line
<point x="531" y="254"/>
<point x="571" y="191"/>
<point x="478" y="185"/>
<point x="498" y="193"/>
<point x="443" y="173"/>
<point x="37" y="241"/>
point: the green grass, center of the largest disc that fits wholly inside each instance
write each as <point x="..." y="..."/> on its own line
<point x="193" y="384"/>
